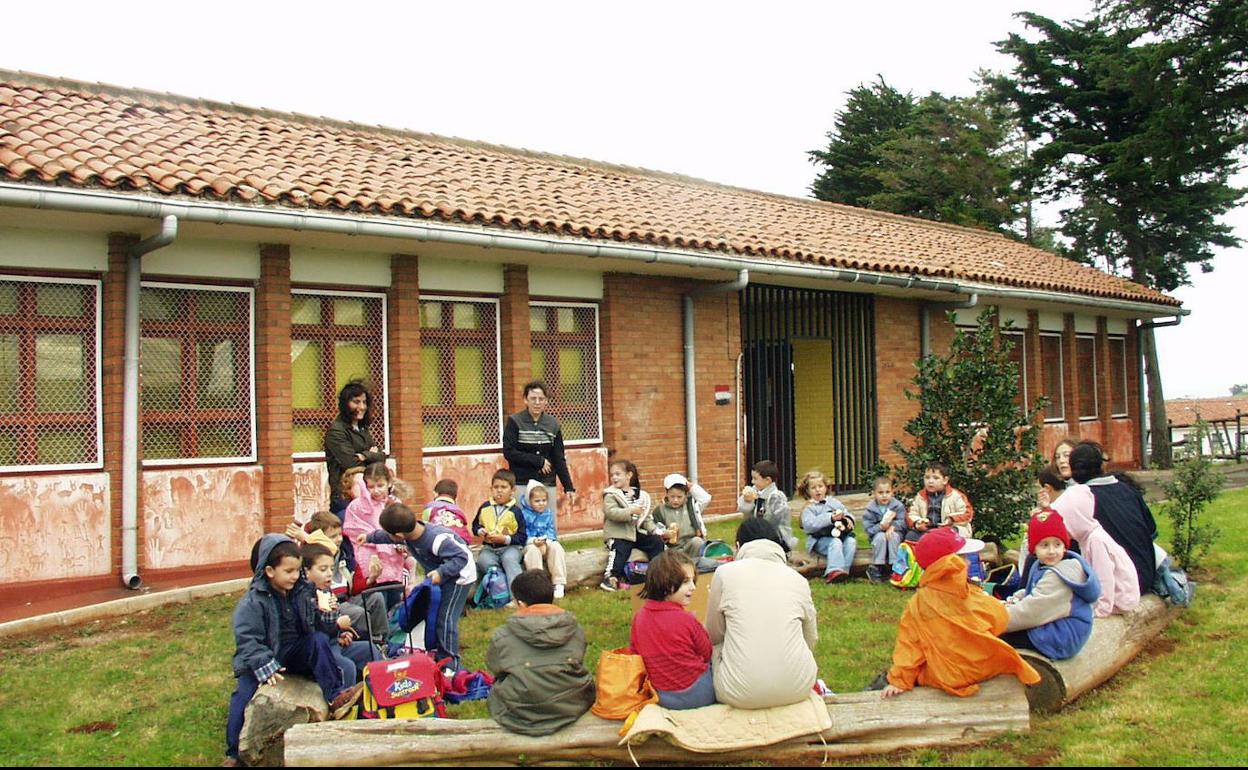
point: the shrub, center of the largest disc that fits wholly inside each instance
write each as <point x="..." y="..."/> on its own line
<point x="1195" y="484"/>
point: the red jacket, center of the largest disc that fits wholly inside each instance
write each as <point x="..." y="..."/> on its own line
<point x="674" y="645"/>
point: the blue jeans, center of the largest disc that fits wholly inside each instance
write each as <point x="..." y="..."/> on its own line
<point x="840" y="553"/>
<point x="308" y="655"/>
<point x="507" y="555"/>
<point x="884" y="547"/>
<point x="700" y="693"/>
<point x="352" y="658"/>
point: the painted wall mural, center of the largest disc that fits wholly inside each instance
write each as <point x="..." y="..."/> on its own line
<point x="196" y="516"/>
<point x="311" y="489"/>
<point x="54" y="527"/>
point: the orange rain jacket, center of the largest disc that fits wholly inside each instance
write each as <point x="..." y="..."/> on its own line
<point x="947" y="637"/>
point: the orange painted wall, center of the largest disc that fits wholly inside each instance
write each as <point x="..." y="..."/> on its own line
<point x="197" y="516"/>
<point x="54" y="526"/>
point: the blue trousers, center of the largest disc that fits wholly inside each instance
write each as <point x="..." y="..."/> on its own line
<point x="508" y="556"/>
<point x="309" y="655"/>
<point x="840" y="553"/>
<point x="454" y="599"/>
<point x="700" y="693"/>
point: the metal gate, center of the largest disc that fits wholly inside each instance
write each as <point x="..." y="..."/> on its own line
<point x="771" y="318"/>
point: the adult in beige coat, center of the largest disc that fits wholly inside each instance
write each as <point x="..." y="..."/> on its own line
<point x="761" y="621"/>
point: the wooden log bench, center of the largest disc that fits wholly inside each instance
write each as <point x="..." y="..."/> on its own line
<point x="1114" y="642"/>
<point x="862" y="724"/>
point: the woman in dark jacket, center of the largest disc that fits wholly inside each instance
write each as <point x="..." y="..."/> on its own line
<point x="348" y="442"/>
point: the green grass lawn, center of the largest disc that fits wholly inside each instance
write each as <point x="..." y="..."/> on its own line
<point x="153" y="689"/>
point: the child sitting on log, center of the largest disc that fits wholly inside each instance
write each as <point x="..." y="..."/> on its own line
<point x="938" y="504"/>
<point x="947" y="637"/>
<point x="538" y="661"/>
<point x="673" y="644"/>
<point x="1052" y="613"/>
<point x="829" y="527"/>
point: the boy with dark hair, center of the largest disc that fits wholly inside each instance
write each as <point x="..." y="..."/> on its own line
<point x="318" y="566"/>
<point x="446" y="559"/>
<point x="274" y="632"/>
<point x="938" y="504"/>
<point x="501" y="527"/>
<point x="764" y="499"/>
<point x="537" y="659"/>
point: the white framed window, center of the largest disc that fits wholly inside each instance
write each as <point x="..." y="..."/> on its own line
<point x="1119" y="404"/>
<point x="50" y="415"/>
<point x="565" y="358"/>
<point x="335" y="337"/>
<point x="1089" y="383"/>
<point x="196" y="357"/>
<point x="1052" y="376"/>
<point x="461" y="382"/>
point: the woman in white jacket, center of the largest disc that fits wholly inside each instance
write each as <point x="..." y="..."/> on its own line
<point x="761" y="621"/>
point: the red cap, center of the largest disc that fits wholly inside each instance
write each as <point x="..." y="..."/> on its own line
<point x="937" y="543"/>
<point x="1046" y="523"/>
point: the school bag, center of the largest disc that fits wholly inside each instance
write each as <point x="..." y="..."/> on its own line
<point x="492" y="591"/>
<point x="622" y="686"/>
<point x="408" y="683"/>
<point x="906" y="570"/>
<point x="635" y="572"/>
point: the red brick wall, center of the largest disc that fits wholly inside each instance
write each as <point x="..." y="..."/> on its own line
<point x="403" y="361"/>
<point x="643" y="381"/>
<point x="274" y="420"/>
<point x="112" y="375"/>
<point x="517" y="340"/>
<point x="896" y="350"/>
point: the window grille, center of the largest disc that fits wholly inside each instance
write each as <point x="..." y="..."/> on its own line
<point x="565" y="358"/>
<point x="49" y="373"/>
<point x="1051" y="376"/>
<point x="196" y="393"/>
<point x="1118" y="375"/>
<point x="335" y="337"/>
<point x="1085" y="349"/>
<point x="460" y="373"/>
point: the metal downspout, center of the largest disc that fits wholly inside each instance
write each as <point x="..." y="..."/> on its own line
<point x="130" y="404"/>
<point x="1145" y="422"/>
<point x="691" y="404"/>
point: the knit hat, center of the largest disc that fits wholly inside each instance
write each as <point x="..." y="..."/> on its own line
<point x="942" y="542"/>
<point x="1046" y="523"/>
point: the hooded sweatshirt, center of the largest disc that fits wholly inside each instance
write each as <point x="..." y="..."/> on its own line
<point x="537" y="524"/>
<point x="947" y="637"/>
<point x="540" y="681"/>
<point x="762" y="625"/>
<point x="1055" y="607"/>
<point x="363" y="516"/>
<point x="1120" y="586"/>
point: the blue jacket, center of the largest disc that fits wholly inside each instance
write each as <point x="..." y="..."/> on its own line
<point x="257" y="618"/>
<point x="1064" y="637"/>
<point x="874" y="514"/>
<point x="817" y="520"/>
<point x="538" y="524"/>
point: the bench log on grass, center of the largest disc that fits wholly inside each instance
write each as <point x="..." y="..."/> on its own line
<point x="861" y="725"/>
<point x="1114" y="642"/>
<point x="586" y="567"/>
<point x="271" y="712"/>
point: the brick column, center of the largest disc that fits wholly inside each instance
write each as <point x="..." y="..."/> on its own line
<point x="1105" y="379"/>
<point x="517" y="339"/>
<point x="403" y="370"/>
<point x="1070" y="373"/>
<point x="1035" y="360"/>
<point x="274" y="418"/>
<point x="112" y="386"/>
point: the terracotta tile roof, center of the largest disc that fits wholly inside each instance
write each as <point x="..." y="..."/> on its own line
<point x="81" y="135"/>
<point x="1181" y="412"/>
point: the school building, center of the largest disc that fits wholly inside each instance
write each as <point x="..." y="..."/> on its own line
<point x="256" y="261"/>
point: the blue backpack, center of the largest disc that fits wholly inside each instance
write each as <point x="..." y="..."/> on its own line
<point x="492" y="591"/>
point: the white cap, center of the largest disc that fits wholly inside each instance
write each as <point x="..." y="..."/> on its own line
<point x="672" y="479"/>
<point x="973" y="545"/>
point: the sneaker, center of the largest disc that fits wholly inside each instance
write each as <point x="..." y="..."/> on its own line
<point x="609" y="584"/>
<point x="232" y="762"/>
<point x="345" y="700"/>
<point x="511" y="605"/>
<point x="875" y="573"/>
<point x="559" y="591"/>
<point x="835" y="575"/>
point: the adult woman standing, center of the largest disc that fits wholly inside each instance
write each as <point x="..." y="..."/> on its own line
<point x="348" y="442"/>
<point x="761" y="621"/>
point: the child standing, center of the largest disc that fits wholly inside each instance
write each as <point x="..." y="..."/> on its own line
<point x="500" y="525"/>
<point x="626" y="522"/>
<point x="829" y="527"/>
<point x="273" y="633"/>
<point x="884" y="520"/>
<point x="318" y="566"/>
<point x="947" y="637"/>
<point x="764" y="499"/>
<point x="447" y="561"/>
<point x="673" y="644"/>
<point x="680" y="516"/>
<point x="543" y="549"/>
<point x="1052" y="613"/>
<point x="373" y="492"/>
<point x="445" y="512"/>
<point x="938" y="504"/>
<point x="538" y="661"/>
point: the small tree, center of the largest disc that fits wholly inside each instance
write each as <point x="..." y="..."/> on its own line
<point x="969" y="417"/>
<point x="1194" y="486"/>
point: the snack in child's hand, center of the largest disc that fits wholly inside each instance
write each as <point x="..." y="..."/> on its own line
<point x="324" y="600"/>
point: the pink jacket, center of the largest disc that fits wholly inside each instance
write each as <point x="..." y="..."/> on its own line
<point x="1120" y="587"/>
<point x="363" y="516"/>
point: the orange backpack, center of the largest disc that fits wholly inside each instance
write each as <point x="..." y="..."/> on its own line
<point x="623" y="687"/>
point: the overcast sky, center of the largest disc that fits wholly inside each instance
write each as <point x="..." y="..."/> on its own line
<point x="732" y="92"/>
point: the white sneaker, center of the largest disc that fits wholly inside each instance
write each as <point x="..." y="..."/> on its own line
<point x="559" y="591"/>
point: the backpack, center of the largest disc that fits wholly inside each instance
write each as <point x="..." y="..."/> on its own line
<point x="635" y="572"/>
<point x="492" y="591"/>
<point x="906" y="571"/>
<point x="621" y="685"/>
<point x="409" y="687"/>
<point x="714" y="553"/>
